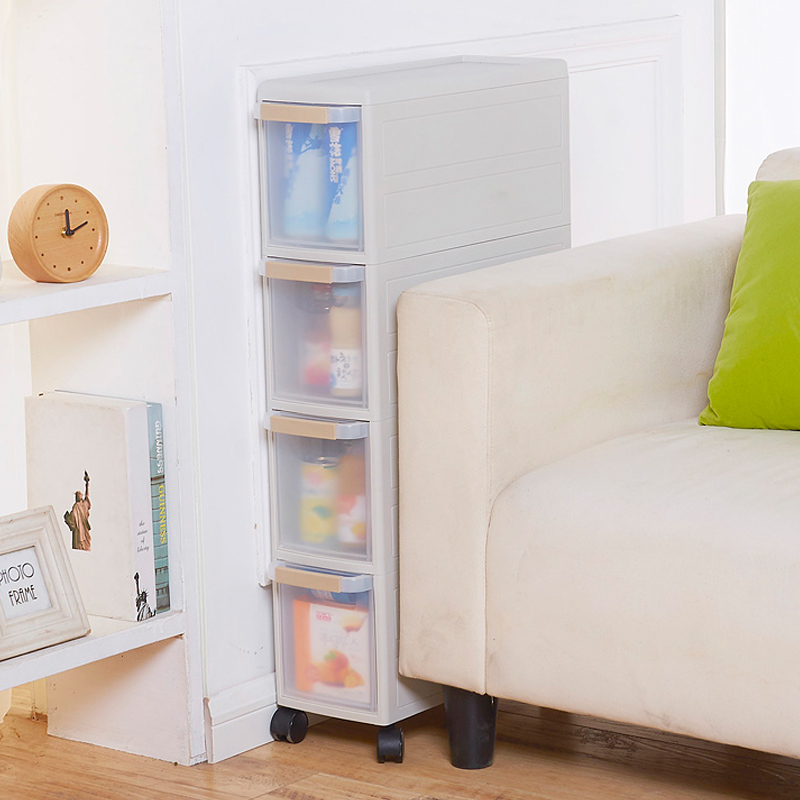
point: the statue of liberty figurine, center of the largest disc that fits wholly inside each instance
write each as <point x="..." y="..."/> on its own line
<point x="77" y="518"/>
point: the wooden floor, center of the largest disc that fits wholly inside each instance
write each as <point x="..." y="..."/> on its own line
<point x="540" y="754"/>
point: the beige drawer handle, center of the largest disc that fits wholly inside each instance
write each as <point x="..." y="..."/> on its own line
<point x="317" y="428"/>
<point x="313" y="273"/>
<point x="290" y="112"/>
<point x="321" y="581"/>
<point x="316" y="115"/>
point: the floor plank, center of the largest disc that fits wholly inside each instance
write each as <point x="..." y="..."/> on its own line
<point x="541" y="755"/>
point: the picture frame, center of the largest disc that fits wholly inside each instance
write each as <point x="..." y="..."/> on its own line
<point x="40" y="604"/>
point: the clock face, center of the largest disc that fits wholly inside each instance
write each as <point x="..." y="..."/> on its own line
<point x="69" y="233"/>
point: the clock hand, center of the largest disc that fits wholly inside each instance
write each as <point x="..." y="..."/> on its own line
<point x="79" y="227"/>
<point x="67" y="231"/>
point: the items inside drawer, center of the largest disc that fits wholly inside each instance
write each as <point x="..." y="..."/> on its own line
<point x="322" y="493"/>
<point x="318" y="342"/>
<point x="331" y="657"/>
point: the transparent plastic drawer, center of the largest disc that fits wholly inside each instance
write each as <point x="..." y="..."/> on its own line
<point x="321" y="470"/>
<point x="311" y="164"/>
<point x="316" y="319"/>
<point x="326" y="624"/>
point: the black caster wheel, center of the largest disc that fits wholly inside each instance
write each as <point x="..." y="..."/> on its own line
<point x="288" y="725"/>
<point x="390" y="745"/>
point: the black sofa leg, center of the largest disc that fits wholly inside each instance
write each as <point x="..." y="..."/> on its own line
<point x="471" y="725"/>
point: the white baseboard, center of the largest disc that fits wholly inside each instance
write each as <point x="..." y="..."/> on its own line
<point x="237" y="719"/>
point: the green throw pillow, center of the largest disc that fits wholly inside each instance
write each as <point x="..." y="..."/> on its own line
<point x="756" y="380"/>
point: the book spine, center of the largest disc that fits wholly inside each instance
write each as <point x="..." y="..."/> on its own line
<point x="144" y="577"/>
<point x="158" y="499"/>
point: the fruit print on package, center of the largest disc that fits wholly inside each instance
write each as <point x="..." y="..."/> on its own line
<point x="333" y="650"/>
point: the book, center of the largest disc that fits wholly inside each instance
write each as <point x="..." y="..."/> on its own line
<point x="88" y="456"/>
<point x="158" y="501"/>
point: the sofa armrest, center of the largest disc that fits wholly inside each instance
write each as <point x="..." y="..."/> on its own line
<point x="511" y="367"/>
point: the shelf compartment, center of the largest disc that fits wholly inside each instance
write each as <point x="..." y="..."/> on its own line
<point x="327" y="624"/>
<point x="22" y="299"/>
<point x="109" y="637"/>
<point x="316" y="324"/>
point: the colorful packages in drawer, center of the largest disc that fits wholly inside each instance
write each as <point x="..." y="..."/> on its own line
<point x="333" y="647"/>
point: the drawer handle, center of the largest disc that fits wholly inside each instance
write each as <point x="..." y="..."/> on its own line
<point x="321" y="581"/>
<point x="317" y="428"/>
<point x="299" y="112"/>
<point x="313" y="273"/>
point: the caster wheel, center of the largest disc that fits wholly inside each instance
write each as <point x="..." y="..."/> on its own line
<point x="390" y="745"/>
<point x="288" y="725"/>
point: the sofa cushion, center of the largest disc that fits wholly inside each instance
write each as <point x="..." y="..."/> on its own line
<point x="655" y="579"/>
<point x="756" y="380"/>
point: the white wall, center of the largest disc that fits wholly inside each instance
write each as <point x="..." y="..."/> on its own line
<point x="13" y="338"/>
<point x="643" y="143"/>
<point x="762" y="88"/>
<point x="90" y="110"/>
<point x="9" y="169"/>
<point x="91" y="113"/>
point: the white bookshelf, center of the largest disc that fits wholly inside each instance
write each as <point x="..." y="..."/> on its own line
<point x="113" y="334"/>
<point x="127" y="331"/>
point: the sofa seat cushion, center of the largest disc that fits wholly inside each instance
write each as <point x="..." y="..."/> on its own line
<point x="655" y="579"/>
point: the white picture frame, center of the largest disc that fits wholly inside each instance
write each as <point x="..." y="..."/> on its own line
<point x="40" y="604"/>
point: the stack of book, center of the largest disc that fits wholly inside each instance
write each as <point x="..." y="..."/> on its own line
<point x="99" y="461"/>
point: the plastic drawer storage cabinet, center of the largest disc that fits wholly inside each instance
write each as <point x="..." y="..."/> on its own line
<point x="372" y="181"/>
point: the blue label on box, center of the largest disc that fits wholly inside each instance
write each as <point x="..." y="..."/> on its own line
<point x="343" y="191"/>
<point x="305" y="208"/>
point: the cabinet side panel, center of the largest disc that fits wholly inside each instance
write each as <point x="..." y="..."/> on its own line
<point x="477" y="207"/>
<point x="428" y="142"/>
<point x="14" y="386"/>
<point x="466" y="168"/>
<point x="135" y="702"/>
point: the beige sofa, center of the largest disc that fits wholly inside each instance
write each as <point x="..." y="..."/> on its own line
<point x="570" y="537"/>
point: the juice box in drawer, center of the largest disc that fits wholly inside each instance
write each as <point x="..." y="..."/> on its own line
<point x="333" y="647"/>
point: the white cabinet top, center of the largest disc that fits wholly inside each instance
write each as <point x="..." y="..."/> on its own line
<point x="411" y="81"/>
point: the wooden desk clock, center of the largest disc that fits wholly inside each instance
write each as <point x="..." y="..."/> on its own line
<point x="58" y="233"/>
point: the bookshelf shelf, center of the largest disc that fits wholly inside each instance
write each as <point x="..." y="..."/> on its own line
<point x="22" y="299"/>
<point x="109" y="637"/>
